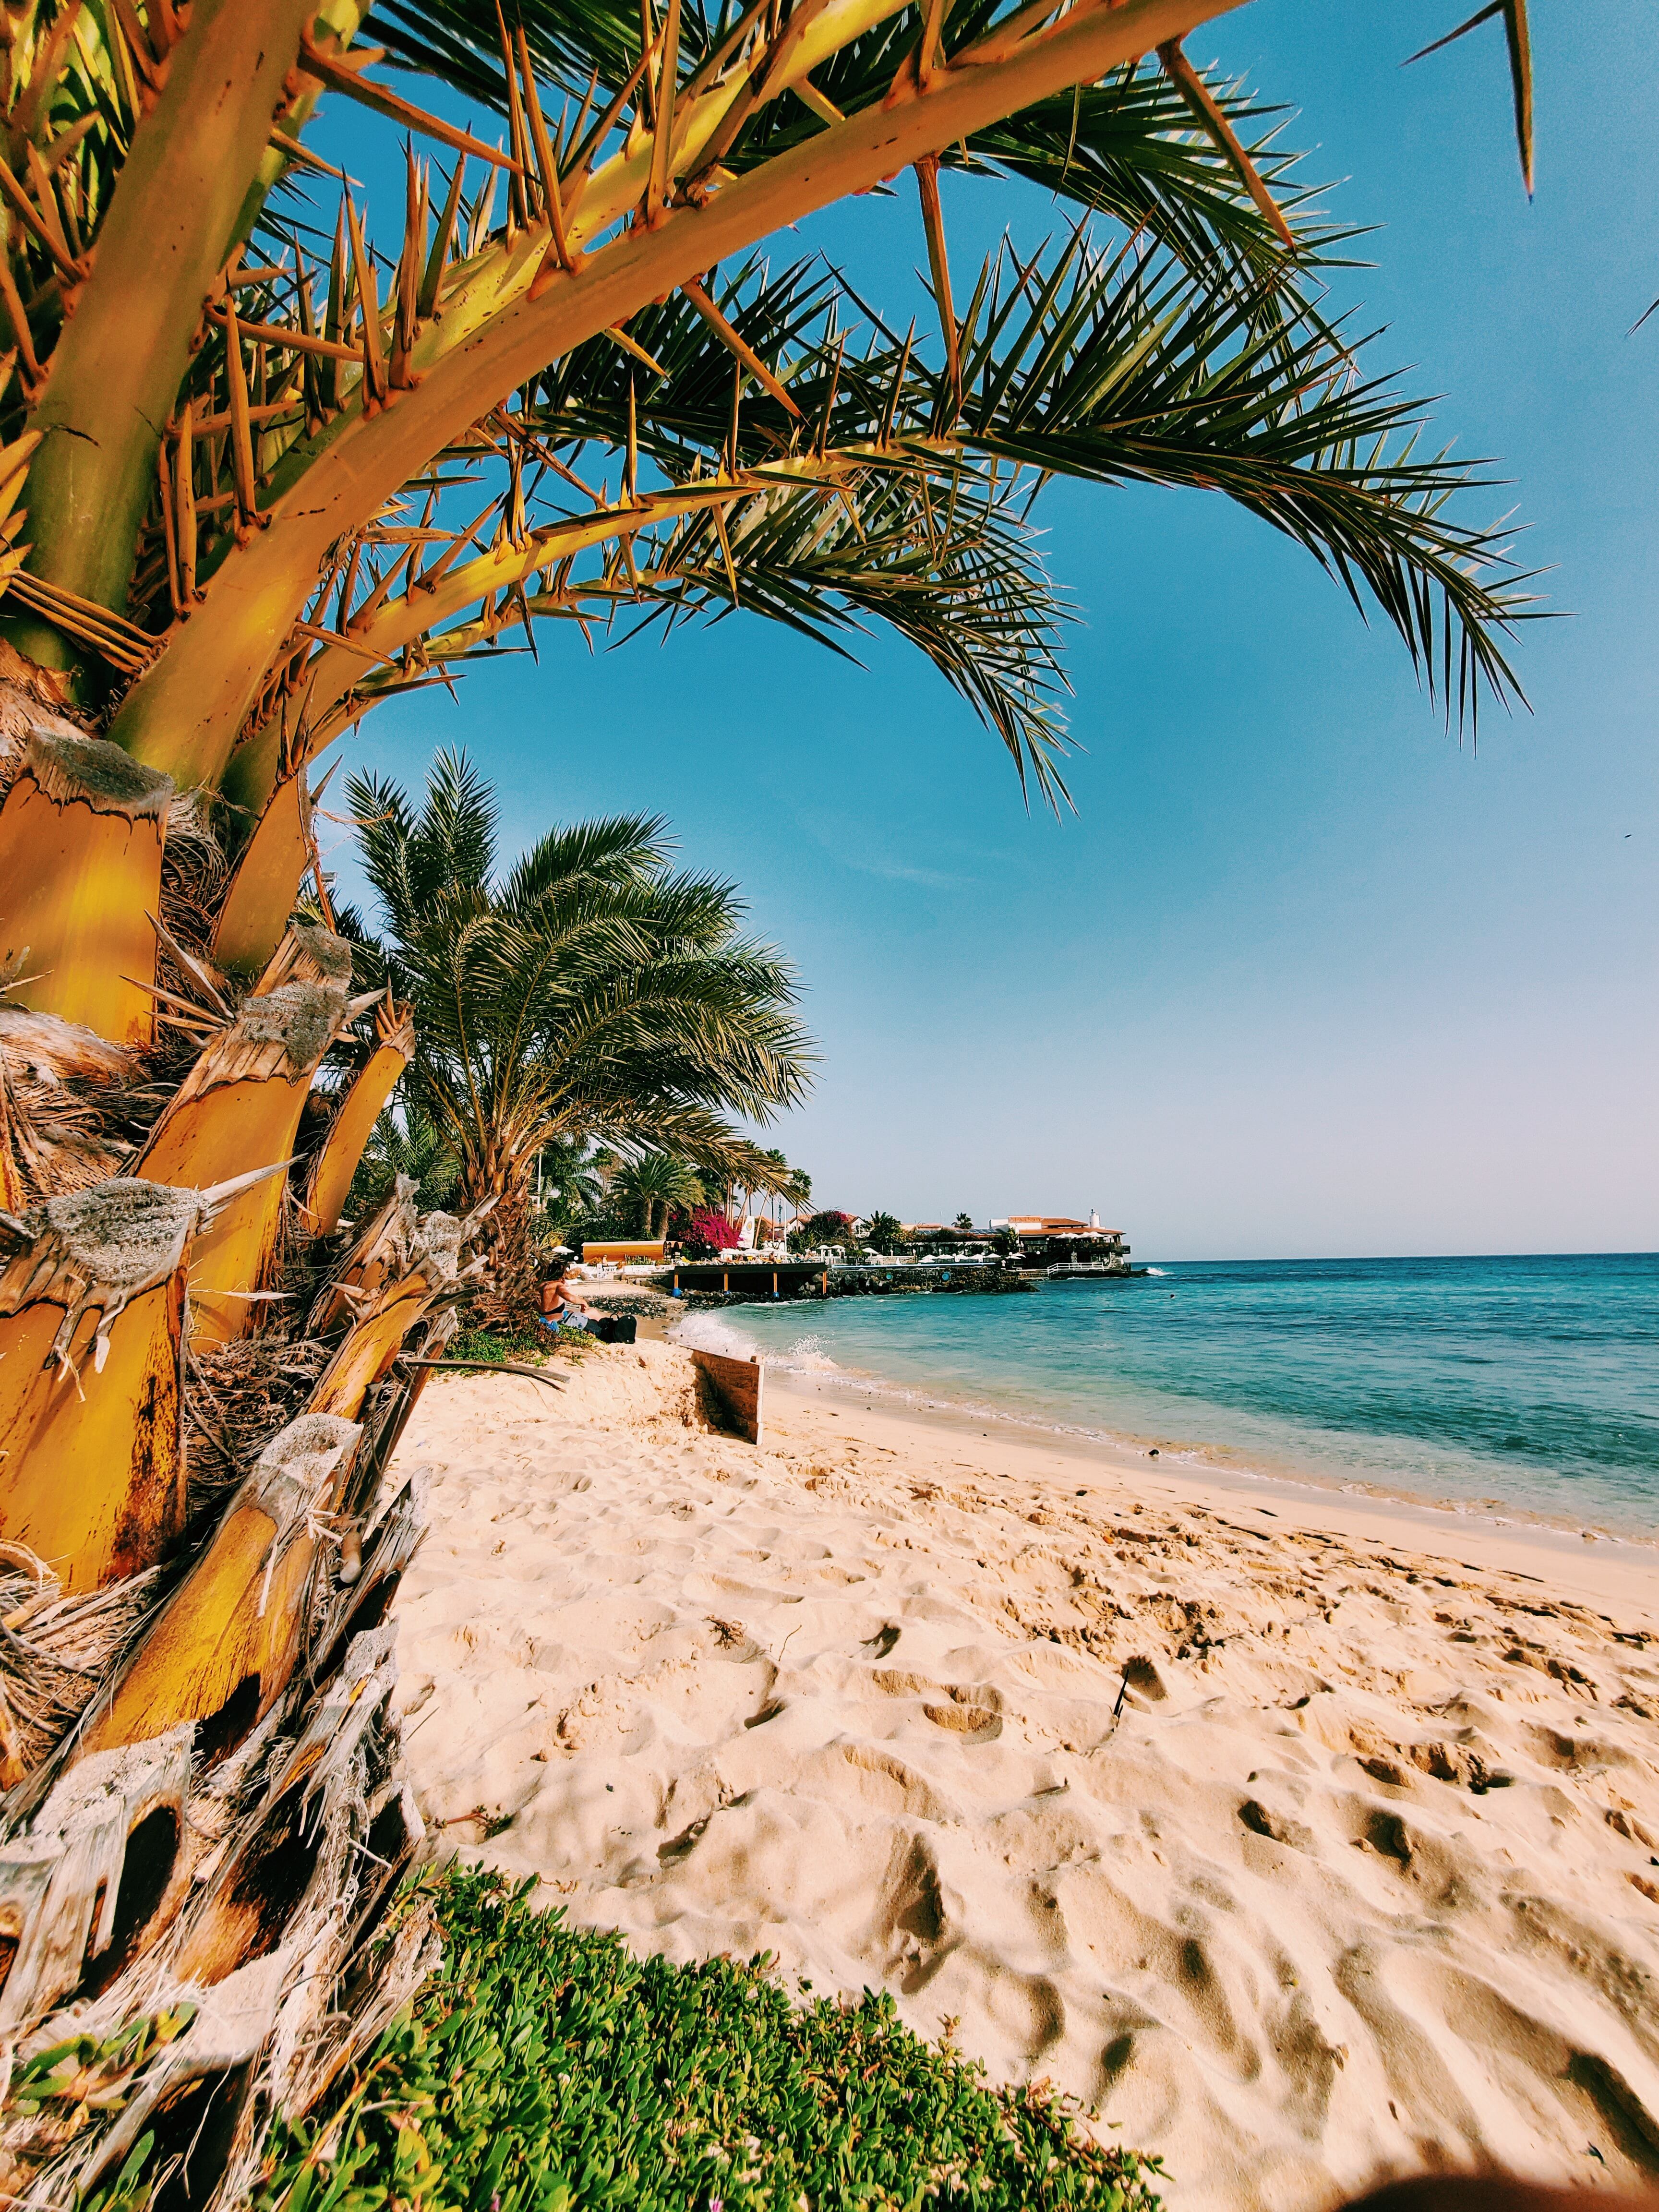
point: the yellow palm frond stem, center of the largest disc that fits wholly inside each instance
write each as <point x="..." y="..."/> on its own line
<point x="328" y="680"/>
<point x="186" y="713"/>
<point x="242" y="1101"/>
<point x="260" y="896"/>
<point x="376" y="1337"/>
<point x="113" y="378"/>
<point x="222" y="1648"/>
<point x="80" y="835"/>
<point x="91" y="1304"/>
<point x="371" y="1345"/>
<point x="381" y="1249"/>
<point x="358" y="1111"/>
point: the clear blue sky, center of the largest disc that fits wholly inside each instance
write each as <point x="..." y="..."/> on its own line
<point x="1304" y="975"/>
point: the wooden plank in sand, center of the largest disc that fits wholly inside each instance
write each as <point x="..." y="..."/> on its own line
<point x="736" y="1385"/>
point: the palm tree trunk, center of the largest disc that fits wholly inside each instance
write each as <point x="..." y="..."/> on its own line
<point x="512" y="1298"/>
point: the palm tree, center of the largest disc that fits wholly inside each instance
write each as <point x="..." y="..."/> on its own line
<point x="586" y="994"/>
<point x="964" y="1222"/>
<point x="570" y="1182"/>
<point x="235" y="480"/>
<point x="883" y="1231"/>
<point x="406" y="1142"/>
<point x="653" y="1185"/>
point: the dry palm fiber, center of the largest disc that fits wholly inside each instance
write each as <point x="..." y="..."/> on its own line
<point x="237" y="1395"/>
<point x="57" y="1652"/>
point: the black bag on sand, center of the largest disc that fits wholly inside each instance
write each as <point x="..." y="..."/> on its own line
<point x="616" y="1328"/>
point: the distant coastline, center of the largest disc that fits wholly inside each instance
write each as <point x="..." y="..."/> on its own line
<point x="1505" y="1389"/>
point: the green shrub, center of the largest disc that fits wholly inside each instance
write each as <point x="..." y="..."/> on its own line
<point x="545" y="2069"/>
<point x="494" y="1344"/>
<point x="529" y="1346"/>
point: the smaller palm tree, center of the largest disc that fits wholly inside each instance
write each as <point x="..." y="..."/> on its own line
<point x="587" y="996"/>
<point x="965" y="1222"/>
<point x="651" y="1187"/>
<point x="405" y="1141"/>
<point x="884" y="1231"/>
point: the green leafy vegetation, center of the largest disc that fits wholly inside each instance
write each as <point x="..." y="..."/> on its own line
<point x="530" y="1346"/>
<point x="545" y="2069"/>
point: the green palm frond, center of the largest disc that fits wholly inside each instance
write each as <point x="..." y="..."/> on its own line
<point x="449" y="848"/>
<point x="458" y="41"/>
<point x="1120" y="367"/>
<point x="700" y="1138"/>
<point x="1518" y="39"/>
<point x="950" y="565"/>
<point x="1117" y="370"/>
<point x="619" y="850"/>
<point x="589" y="991"/>
<point x="1126" y="147"/>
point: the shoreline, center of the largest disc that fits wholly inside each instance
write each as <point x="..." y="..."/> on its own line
<point x="1610" y="1568"/>
<point x="1300" y="1488"/>
<point x="1309" y="1849"/>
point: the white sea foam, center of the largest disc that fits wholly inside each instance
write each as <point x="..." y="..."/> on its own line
<point x="713" y="1331"/>
<point x="720" y="1331"/>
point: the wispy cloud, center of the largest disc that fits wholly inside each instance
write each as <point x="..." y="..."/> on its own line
<point x="900" y="871"/>
<point x="846" y="839"/>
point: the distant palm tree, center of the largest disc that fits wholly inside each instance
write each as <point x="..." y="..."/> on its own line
<point x="653" y="1185"/>
<point x="403" y="1143"/>
<point x="884" y="1231"/>
<point x="571" y="1182"/>
<point x="587" y="993"/>
<point x="964" y="1221"/>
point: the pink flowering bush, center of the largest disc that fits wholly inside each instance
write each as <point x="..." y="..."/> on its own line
<point x="709" y="1227"/>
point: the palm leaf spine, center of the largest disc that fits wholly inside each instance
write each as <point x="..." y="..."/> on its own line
<point x="116" y="370"/>
<point x="331" y="676"/>
<point x="184" y="713"/>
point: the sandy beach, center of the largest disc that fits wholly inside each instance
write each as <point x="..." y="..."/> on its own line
<point x="1310" y="1839"/>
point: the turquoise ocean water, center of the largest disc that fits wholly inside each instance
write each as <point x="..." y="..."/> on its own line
<point x="1531" y="1385"/>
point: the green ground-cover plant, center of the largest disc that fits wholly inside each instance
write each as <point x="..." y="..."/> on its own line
<point x="497" y="1344"/>
<point x="545" y="2069"/>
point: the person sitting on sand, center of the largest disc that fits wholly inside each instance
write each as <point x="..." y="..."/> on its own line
<point x="560" y="1309"/>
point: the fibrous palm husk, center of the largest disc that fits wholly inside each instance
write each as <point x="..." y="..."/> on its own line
<point x="287" y="1861"/>
<point x="56" y="1079"/>
<point x="194" y="872"/>
<point x="236" y="1395"/>
<point x="57" y="1652"/>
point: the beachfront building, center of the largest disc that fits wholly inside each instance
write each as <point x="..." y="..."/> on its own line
<point x="1058" y="1240"/>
